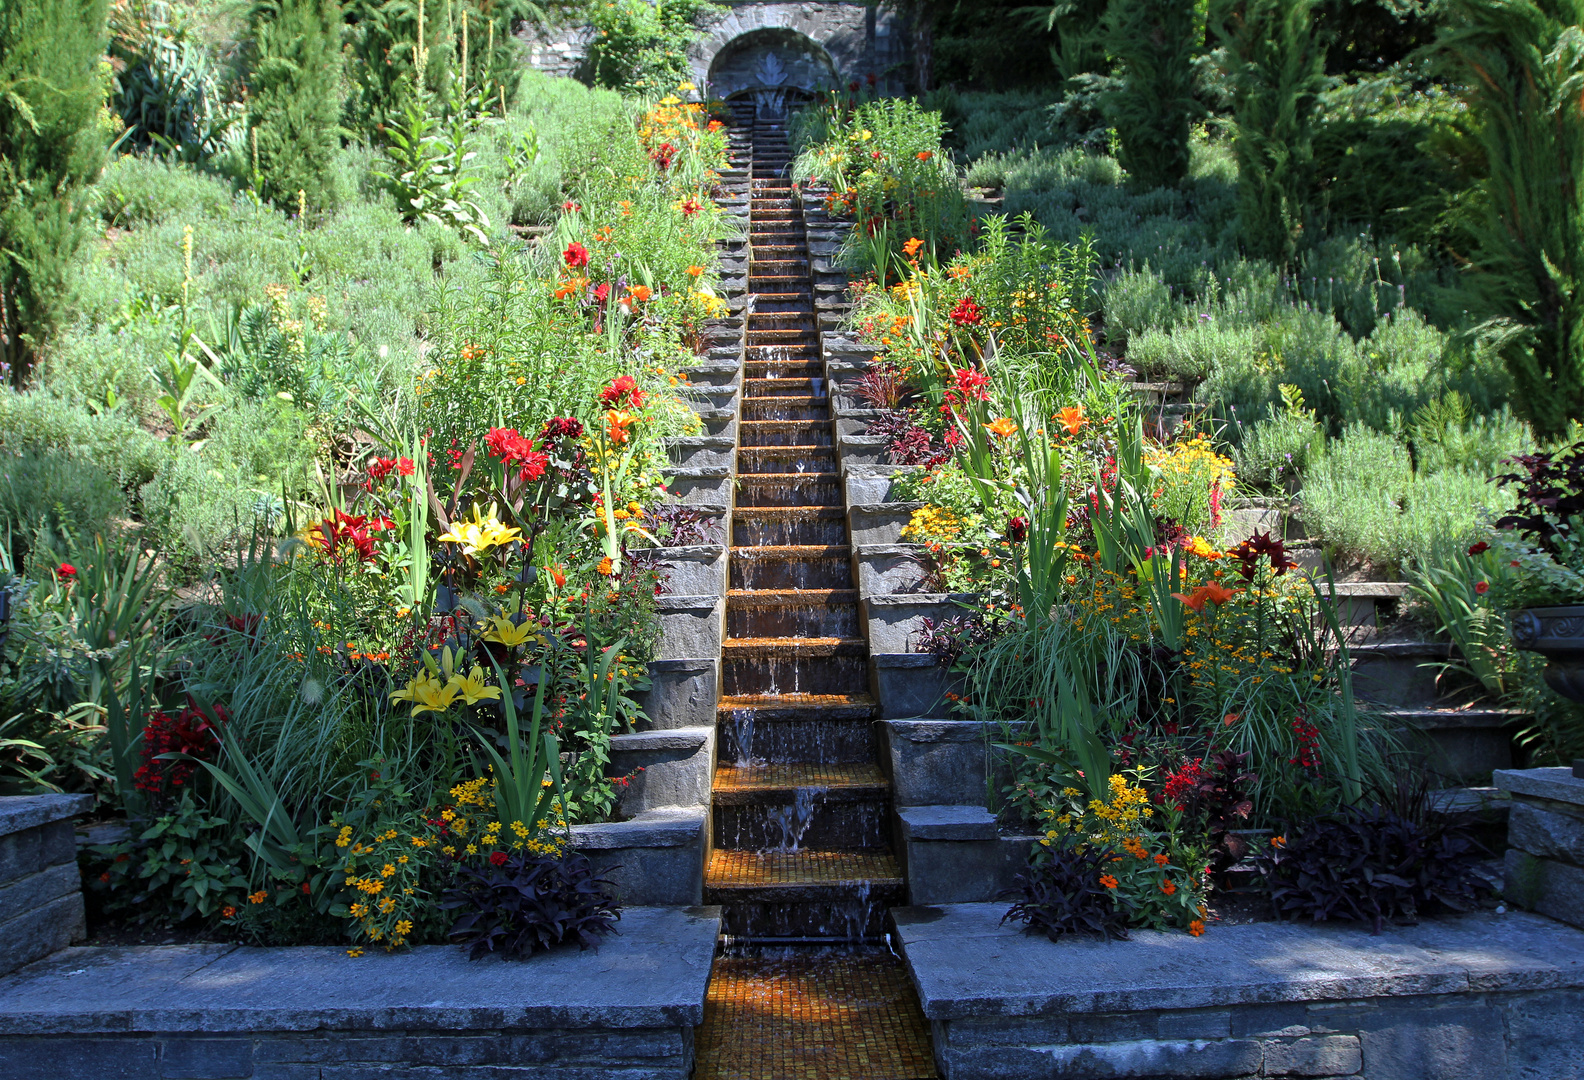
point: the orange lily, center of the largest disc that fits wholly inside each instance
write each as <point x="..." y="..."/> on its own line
<point x="1072" y="418"/>
<point x="911" y="248"/>
<point x="1212" y="593"/>
<point x="619" y="422"/>
<point x="1002" y="427"/>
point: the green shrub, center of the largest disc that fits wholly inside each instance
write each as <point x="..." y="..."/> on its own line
<point x="51" y="148"/>
<point x="1136" y="301"/>
<point x="53" y="493"/>
<point x="642" y="47"/>
<point x="1446" y="435"/>
<point x="294" y="104"/>
<point x="170" y="96"/>
<point x="1275" y="453"/>
<point x="1520" y="63"/>
<point x="1190" y="351"/>
<point x="1354" y="495"/>
<point x="38" y="422"/>
<point x="135" y="191"/>
<point x="1154" y="41"/>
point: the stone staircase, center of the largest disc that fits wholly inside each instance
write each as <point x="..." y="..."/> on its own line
<point x="800" y="806"/>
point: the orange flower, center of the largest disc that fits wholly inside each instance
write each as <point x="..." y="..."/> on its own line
<point x="571" y="286"/>
<point x="605" y="567"/>
<point x="557" y="575"/>
<point x="618" y="422"/>
<point x="695" y="271"/>
<point x="1002" y="427"/>
<point x="1161" y="860"/>
<point x="911" y="248"/>
<point x="1231" y="718"/>
<point x="639" y="293"/>
<point x="1168" y="887"/>
<point x="1212" y="593"/>
<point x="227" y="911"/>
<point x="1108" y="880"/>
<point x="1196" y="928"/>
<point x="1278" y="841"/>
<point x="924" y="155"/>
<point x="1071" y="418"/>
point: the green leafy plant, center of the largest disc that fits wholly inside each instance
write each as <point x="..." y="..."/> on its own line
<point x="430" y="173"/>
<point x="294" y="100"/>
<point x="1155" y="105"/>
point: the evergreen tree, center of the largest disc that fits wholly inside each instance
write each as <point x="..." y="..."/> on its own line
<point x="1521" y="63"/>
<point x="294" y="102"/>
<point x="1277" y="78"/>
<point x="51" y="148"/>
<point x="1154" y="108"/>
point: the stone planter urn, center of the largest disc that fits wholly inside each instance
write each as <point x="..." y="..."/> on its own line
<point x="1557" y="633"/>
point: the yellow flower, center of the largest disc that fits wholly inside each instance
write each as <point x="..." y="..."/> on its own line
<point x="427" y="693"/>
<point x="473" y="688"/>
<point x="404" y="927"/>
<point x="387" y="870"/>
<point x="481" y="534"/>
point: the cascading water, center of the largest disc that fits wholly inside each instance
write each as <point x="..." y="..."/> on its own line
<point x="801" y="808"/>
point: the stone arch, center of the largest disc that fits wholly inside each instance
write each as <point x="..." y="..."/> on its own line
<point x="830" y="44"/>
<point x="771" y="61"/>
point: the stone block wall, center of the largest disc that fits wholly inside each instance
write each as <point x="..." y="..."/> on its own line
<point x="1545" y="833"/>
<point x="41" y="904"/>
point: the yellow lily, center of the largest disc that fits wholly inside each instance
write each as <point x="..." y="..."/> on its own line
<point x="503" y="632"/>
<point x="427" y="694"/>
<point x="473" y="688"/>
<point x="481" y="534"/>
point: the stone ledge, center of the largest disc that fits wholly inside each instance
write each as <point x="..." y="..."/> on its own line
<point x="662" y="828"/>
<point x="1556" y="783"/>
<point x="652" y="974"/>
<point x="18" y="812"/>
<point x="946" y="823"/>
<point x="967" y="964"/>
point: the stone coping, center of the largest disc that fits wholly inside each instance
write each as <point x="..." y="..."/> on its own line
<point x="1557" y="783"/>
<point x="18" y="812"/>
<point x="967" y="963"/>
<point x="951" y="822"/>
<point x="961" y="601"/>
<point x="652" y="974"/>
<point x="671" y="826"/>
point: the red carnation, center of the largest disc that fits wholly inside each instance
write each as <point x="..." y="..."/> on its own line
<point x="498" y="858"/>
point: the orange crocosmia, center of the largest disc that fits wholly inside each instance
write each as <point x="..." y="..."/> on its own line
<point x="911" y="248"/>
<point x="639" y="293"/>
<point x="1072" y="418"/>
<point x="1002" y="427"/>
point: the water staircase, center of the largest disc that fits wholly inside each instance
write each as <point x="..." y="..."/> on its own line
<point x="801" y="863"/>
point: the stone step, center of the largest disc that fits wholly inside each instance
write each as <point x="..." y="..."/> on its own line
<point x="792" y="613"/>
<point x="794" y="665"/>
<point x="822" y="527"/>
<point x="837" y="894"/>
<point x="815" y="806"/>
<point x="785" y="432"/>
<point x="791" y="388"/>
<point x="787" y="409"/>
<point x="789" y="489"/>
<point x="790" y="728"/>
<point x="786" y="460"/>
<point x="791" y="567"/>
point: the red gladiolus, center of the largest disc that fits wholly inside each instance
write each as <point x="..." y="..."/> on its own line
<point x="575" y="255"/>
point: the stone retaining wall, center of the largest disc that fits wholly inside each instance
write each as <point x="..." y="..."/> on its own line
<point x="41" y="904"/>
<point x="218" y="1012"/>
<point x="1478" y="997"/>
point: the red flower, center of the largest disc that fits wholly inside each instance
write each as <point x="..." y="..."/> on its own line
<point x="404" y="466"/>
<point x="967" y="313"/>
<point x="560" y="427"/>
<point x="690" y="207"/>
<point x="383" y="467"/>
<point x="623" y="392"/>
<point x="1481" y="588"/>
<point x="498" y="858"/>
<point x="969" y="385"/>
<point x="532" y="465"/>
<point x="351" y="529"/>
<point x="1017" y="529"/>
<point x="66" y="571"/>
<point x="602" y="291"/>
<point x="662" y="155"/>
<point x="575" y="255"/>
<point x="1480" y="548"/>
<point x="1249" y="552"/>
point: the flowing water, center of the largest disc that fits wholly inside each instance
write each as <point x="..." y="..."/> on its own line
<point x="801" y="809"/>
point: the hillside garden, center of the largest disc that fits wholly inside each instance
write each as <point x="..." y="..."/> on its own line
<point x="344" y="353"/>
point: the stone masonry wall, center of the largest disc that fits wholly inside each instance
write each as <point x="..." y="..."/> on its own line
<point x="41" y="904"/>
<point x="1505" y="1036"/>
<point x="642" y="1054"/>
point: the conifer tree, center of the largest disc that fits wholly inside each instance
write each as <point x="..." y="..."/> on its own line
<point x="1521" y="63"/>
<point x="1154" y="109"/>
<point x="294" y="100"/>
<point x="52" y="147"/>
<point x="1279" y="72"/>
